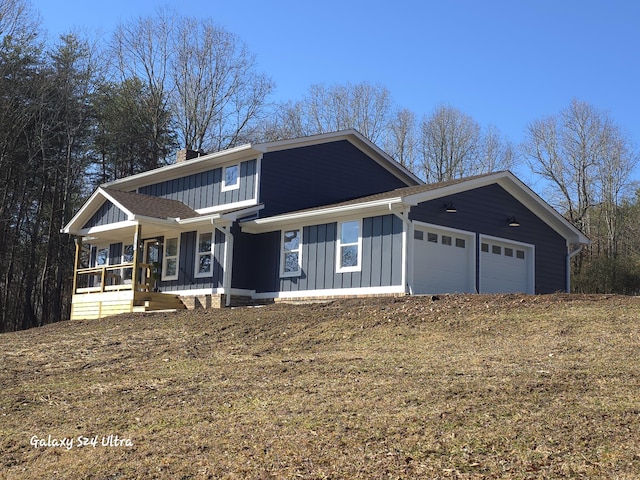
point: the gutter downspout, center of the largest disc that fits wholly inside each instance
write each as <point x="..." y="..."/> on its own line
<point x="227" y="268"/>
<point x="570" y="255"/>
<point x="407" y="249"/>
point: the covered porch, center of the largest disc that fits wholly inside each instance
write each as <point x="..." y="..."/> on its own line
<point x="102" y="287"/>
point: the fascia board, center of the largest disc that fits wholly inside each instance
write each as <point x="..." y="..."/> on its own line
<point x="88" y="209"/>
<point x="188" y="167"/>
<point x="269" y="224"/>
<point x="520" y="191"/>
<point x="542" y="209"/>
<point x="79" y="214"/>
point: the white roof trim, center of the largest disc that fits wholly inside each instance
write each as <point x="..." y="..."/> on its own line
<point x="505" y="179"/>
<point x="269" y="224"/>
<point x="250" y="151"/>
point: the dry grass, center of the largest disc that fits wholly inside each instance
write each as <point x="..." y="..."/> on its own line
<point x="464" y="387"/>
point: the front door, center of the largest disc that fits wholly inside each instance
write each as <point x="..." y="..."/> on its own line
<point x="152" y="264"/>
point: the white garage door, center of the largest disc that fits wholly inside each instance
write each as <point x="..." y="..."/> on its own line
<point x="443" y="261"/>
<point x="505" y="267"/>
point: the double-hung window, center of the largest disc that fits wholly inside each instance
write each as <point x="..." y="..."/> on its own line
<point x="349" y="246"/>
<point x="170" y="258"/>
<point x="127" y="257"/>
<point x="291" y="255"/>
<point x="204" y="257"/>
<point x="231" y="177"/>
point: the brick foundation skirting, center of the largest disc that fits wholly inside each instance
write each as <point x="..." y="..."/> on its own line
<point x="218" y="300"/>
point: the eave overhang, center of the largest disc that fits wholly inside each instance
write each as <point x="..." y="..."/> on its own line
<point x="323" y="214"/>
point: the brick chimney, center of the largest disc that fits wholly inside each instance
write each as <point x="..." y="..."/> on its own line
<point x="186" y="154"/>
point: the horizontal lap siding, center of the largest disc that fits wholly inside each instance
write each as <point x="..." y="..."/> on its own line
<point x="203" y="190"/>
<point x="485" y="210"/>
<point x="319" y="175"/>
<point x="106" y="214"/>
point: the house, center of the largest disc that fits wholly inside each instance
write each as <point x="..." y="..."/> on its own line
<point x="316" y="217"/>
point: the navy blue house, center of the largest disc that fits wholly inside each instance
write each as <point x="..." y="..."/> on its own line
<point x="317" y="217"/>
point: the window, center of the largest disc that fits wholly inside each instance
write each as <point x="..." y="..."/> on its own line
<point x="432" y="237"/>
<point x="485" y="247"/>
<point x="446" y="240"/>
<point x="102" y="256"/>
<point x="127" y="257"/>
<point x="497" y="249"/>
<point x="230" y="177"/>
<point x="508" y="252"/>
<point x="520" y="254"/>
<point x="204" y="257"/>
<point x="170" y="260"/>
<point x="349" y="246"/>
<point x="291" y="258"/>
<point x="461" y="243"/>
<point x="418" y="234"/>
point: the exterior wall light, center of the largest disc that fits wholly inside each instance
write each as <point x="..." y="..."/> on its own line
<point x="513" y="222"/>
<point x="450" y="208"/>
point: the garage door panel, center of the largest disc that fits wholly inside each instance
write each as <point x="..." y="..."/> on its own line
<point x="443" y="261"/>
<point x="505" y="267"/>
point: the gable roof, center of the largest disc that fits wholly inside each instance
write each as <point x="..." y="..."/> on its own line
<point x="402" y="198"/>
<point x="141" y="208"/>
<point x="255" y="150"/>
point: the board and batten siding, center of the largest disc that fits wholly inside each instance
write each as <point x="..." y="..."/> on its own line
<point x="187" y="265"/>
<point x="106" y="214"/>
<point x="485" y="211"/>
<point x="321" y="174"/>
<point x="381" y="258"/>
<point x="204" y="189"/>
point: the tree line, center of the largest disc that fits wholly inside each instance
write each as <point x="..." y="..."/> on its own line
<point x="76" y="113"/>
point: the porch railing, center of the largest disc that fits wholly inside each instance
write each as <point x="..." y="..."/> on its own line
<point x="113" y="278"/>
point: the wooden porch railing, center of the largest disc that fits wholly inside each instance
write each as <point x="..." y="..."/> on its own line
<point x="113" y="277"/>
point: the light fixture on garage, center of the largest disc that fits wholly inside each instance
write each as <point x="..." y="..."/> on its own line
<point x="450" y="208"/>
<point x="513" y="222"/>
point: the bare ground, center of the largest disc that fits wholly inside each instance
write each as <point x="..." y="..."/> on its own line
<point x="473" y="386"/>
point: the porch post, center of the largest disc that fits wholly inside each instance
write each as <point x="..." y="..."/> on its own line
<point x="228" y="263"/>
<point x="76" y="262"/>
<point x="136" y="255"/>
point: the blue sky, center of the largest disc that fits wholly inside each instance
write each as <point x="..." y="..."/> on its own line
<point x="504" y="62"/>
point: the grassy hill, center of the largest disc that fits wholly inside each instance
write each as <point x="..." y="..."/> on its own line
<point x="461" y="387"/>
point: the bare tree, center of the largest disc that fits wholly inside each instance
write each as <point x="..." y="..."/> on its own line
<point x="218" y="91"/>
<point x="449" y="144"/>
<point x="400" y="141"/>
<point x="583" y="156"/>
<point x="364" y="107"/>
<point x="202" y="74"/>
<point x="142" y="49"/>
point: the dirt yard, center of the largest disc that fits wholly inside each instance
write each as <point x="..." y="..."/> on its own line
<point x="465" y="387"/>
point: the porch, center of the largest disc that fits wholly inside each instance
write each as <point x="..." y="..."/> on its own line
<point x="102" y="304"/>
<point x="126" y="287"/>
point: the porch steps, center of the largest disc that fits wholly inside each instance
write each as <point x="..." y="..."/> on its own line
<point x="153" y="302"/>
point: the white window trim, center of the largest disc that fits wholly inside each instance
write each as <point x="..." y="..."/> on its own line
<point x="165" y="257"/>
<point x="123" y="261"/>
<point x="236" y="185"/>
<point x="106" y="247"/>
<point x="358" y="266"/>
<point x="197" y="273"/>
<point x="298" y="272"/>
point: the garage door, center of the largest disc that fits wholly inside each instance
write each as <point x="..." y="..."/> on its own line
<point x="505" y="267"/>
<point x="443" y="261"/>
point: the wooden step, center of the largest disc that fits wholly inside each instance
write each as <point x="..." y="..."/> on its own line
<point x="153" y="301"/>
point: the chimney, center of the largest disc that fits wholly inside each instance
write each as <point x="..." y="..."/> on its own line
<point x="186" y="154"/>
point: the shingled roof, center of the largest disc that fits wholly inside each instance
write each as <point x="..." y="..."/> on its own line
<point x="150" y="206"/>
